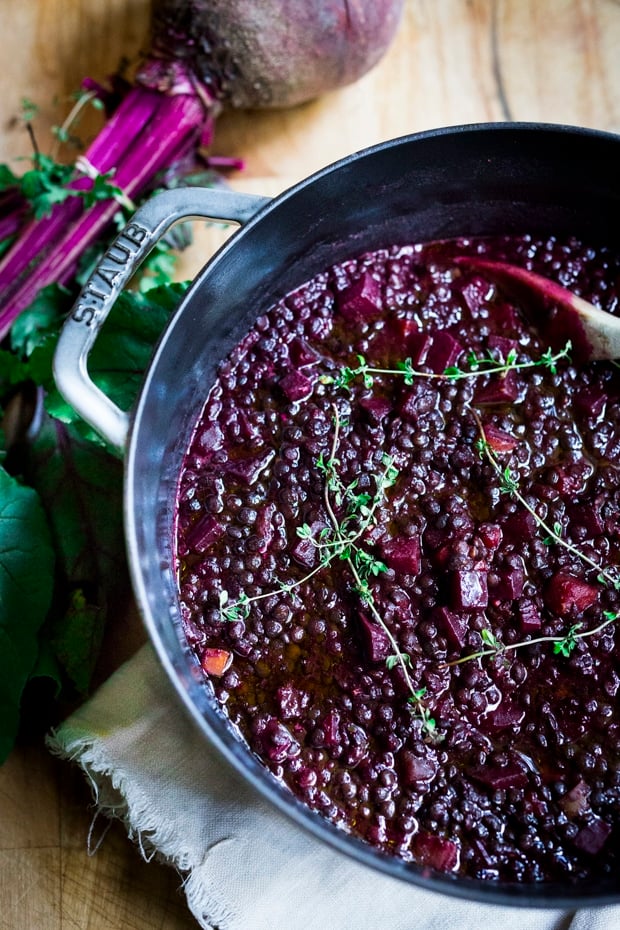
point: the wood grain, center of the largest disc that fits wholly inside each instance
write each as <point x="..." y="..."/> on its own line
<point x="453" y="61"/>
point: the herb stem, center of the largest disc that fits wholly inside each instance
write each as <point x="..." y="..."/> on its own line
<point x="361" y="587"/>
<point x="62" y="131"/>
<point x="541" y="523"/>
<point x="511" y="647"/>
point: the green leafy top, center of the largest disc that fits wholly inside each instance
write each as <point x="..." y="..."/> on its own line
<point x="61" y="535"/>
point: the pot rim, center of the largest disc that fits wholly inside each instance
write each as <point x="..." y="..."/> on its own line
<point x="174" y="658"/>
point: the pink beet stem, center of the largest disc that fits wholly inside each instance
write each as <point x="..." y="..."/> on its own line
<point x="173" y="129"/>
<point x="103" y="154"/>
<point x="11" y="224"/>
<point x="13" y="212"/>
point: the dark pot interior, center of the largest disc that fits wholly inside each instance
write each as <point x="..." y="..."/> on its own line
<point x="501" y="178"/>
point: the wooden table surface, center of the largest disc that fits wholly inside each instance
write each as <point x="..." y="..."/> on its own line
<point x="453" y="61"/>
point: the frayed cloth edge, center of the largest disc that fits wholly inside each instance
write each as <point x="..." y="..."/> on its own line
<point x="115" y="798"/>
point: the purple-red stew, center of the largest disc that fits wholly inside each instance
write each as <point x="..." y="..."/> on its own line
<point x="398" y="541"/>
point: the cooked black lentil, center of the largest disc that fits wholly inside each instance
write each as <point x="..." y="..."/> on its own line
<point x="524" y="784"/>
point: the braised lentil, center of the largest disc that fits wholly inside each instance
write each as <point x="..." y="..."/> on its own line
<point x="524" y="785"/>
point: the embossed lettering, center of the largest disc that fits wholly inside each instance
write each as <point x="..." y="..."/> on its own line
<point x="113" y="263"/>
<point x="107" y="275"/>
<point x="135" y="233"/>
<point x="82" y="313"/>
<point x="121" y="259"/>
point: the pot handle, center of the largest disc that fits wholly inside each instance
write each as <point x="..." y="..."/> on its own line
<point x="120" y="261"/>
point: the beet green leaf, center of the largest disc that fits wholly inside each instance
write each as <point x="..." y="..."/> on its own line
<point x="26" y="587"/>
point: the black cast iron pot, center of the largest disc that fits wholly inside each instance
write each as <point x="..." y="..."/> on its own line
<point x="481" y="179"/>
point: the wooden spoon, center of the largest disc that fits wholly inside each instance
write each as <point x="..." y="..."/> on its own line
<point x="560" y="314"/>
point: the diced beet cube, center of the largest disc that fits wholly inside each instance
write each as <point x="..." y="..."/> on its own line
<point x="506" y="315"/>
<point x="519" y="526"/>
<point x="469" y="590"/>
<point x="501" y="389"/>
<point x="405" y="328"/>
<point x="331" y="727"/>
<point x="296" y="386"/>
<point x="530" y="620"/>
<point x="571" y="478"/>
<point x="375" y="640"/>
<point x="490" y="534"/>
<point x="442" y="556"/>
<point x="277" y="742"/>
<point x="291" y="701"/>
<point x="593" y="836"/>
<point x="416" y="769"/>
<point x="453" y="625"/>
<point x="509" y="584"/>
<point x="591" y="402"/>
<point x="576" y="802"/>
<point x="361" y="300"/>
<point x="402" y="554"/>
<point x="248" y="431"/>
<point x="436" y="852"/>
<point x="476" y="293"/>
<point x="443" y="352"/>
<point x="247" y="470"/>
<point x="304" y="551"/>
<point x="498" y="440"/>
<point x="264" y="526"/>
<point x="504" y="716"/>
<point x="511" y="775"/>
<point x="215" y="661"/>
<point x="301" y="354"/>
<point x="376" y="408"/>
<point x="586" y="516"/>
<point x="502" y="346"/>
<point x="393" y="339"/>
<point x="418" y="347"/>
<point x="204" y="533"/>
<point x="565" y="592"/>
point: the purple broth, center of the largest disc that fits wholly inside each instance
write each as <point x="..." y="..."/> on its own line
<point x="309" y="687"/>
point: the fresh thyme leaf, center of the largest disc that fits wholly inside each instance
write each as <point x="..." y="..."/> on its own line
<point x="565" y="646"/>
<point x="407" y="369"/>
<point x="398" y="658"/>
<point x="482" y="446"/>
<point x="508" y="484"/>
<point x="490" y="640"/>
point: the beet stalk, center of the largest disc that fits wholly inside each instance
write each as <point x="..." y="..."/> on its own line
<point x="205" y="55"/>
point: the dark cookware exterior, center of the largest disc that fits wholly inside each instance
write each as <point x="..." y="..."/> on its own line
<point x="479" y="179"/>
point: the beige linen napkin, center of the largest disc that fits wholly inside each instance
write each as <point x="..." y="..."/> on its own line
<point x="244" y="865"/>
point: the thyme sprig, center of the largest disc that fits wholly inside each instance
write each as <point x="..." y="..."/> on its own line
<point x="351" y="512"/>
<point x="479" y="365"/>
<point x="361" y="569"/>
<point x="509" y="484"/>
<point x="562" y="645"/>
